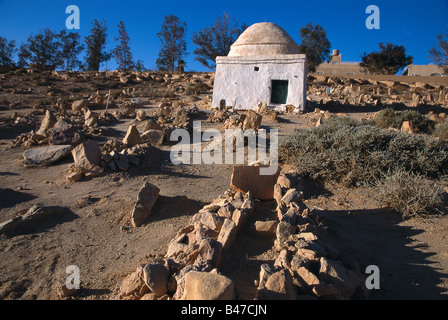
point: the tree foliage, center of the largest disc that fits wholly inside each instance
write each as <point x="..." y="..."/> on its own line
<point x="174" y="46"/>
<point x="388" y="60"/>
<point x="440" y="54"/>
<point x="42" y="50"/>
<point x="122" y="51"/>
<point x="7" y="51"/>
<point x="71" y="48"/>
<point x="96" y="46"/>
<point x="216" y="40"/>
<point x="315" y="45"/>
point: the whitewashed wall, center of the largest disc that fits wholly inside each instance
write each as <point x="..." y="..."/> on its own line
<point x="242" y="87"/>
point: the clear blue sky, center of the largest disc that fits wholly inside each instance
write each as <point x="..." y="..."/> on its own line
<point x="413" y="24"/>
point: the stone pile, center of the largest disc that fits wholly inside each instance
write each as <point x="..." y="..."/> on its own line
<point x="335" y="90"/>
<point x="118" y="156"/>
<point x="189" y="269"/>
<point x="307" y="264"/>
<point x="62" y="129"/>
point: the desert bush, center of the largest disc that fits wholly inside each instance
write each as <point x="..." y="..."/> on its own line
<point x="387" y="118"/>
<point x="197" y="88"/>
<point x="347" y="151"/>
<point x="409" y="194"/>
<point x="441" y="131"/>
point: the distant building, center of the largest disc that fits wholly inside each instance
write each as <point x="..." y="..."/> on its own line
<point x="338" y="67"/>
<point x="263" y="65"/>
<point x="430" y="70"/>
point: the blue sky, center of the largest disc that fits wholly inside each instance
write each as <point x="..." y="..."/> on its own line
<point x="413" y="24"/>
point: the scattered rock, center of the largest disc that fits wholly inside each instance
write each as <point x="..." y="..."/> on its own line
<point x="87" y="155"/>
<point x="33" y="215"/>
<point x="146" y="199"/>
<point x="79" y="105"/>
<point x="252" y="121"/>
<point x="132" y="137"/>
<point x="46" y="155"/>
<point x="47" y="123"/>
<point x="156" y="278"/>
<point x="154" y="137"/>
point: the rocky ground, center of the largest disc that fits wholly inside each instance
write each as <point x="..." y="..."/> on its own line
<point x="87" y="195"/>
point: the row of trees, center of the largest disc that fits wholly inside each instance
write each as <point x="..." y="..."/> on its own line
<point x="218" y="38"/>
<point x="49" y="50"/>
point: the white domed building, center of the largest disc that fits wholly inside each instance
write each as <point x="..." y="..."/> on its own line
<point x="263" y="65"/>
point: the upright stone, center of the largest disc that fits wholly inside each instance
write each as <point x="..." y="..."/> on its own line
<point x="245" y="178"/>
<point x="146" y="199"/>
<point x="132" y="136"/>
<point x="87" y="155"/>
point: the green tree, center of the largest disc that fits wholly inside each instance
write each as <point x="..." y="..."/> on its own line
<point x="96" y="46"/>
<point x="388" y="60"/>
<point x="7" y="51"/>
<point x="122" y="52"/>
<point x="440" y="54"/>
<point x="42" y="50"/>
<point x="24" y="56"/>
<point x="315" y="45"/>
<point x="174" y="46"/>
<point x="71" y="48"/>
<point x="140" y="66"/>
<point x="216" y="40"/>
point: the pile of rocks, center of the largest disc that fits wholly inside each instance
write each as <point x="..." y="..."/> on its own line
<point x="58" y="129"/>
<point x="250" y="120"/>
<point x="116" y="155"/>
<point x="189" y="270"/>
<point x="335" y="90"/>
<point x="307" y="264"/>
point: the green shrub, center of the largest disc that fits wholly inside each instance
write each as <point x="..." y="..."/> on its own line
<point x="346" y="151"/>
<point x="441" y="131"/>
<point x="409" y="194"/>
<point x="388" y="118"/>
<point x="197" y="88"/>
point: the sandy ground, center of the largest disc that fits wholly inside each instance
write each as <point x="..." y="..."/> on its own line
<point x="96" y="234"/>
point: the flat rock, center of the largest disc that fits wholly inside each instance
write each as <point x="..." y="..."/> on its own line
<point x="208" y="286"/>
<point x="34" y="214"/>
<point x="46" y="155"/>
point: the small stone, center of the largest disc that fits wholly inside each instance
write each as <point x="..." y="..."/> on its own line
<point x="279" y="286"/>
<point x="227" y="233"/>
<point x="156" y="278"/>
<point x="146" y="199"/>
<point x="154" y="137"/>
<point x="266" y="228"/>
<point x="87" y="155"/>
<point x="208" y="286"/>
<point x="132" y="136"/>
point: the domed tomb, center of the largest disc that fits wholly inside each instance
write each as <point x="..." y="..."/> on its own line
<point x="265" y="38"/>
<point x="264" y="65"/>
